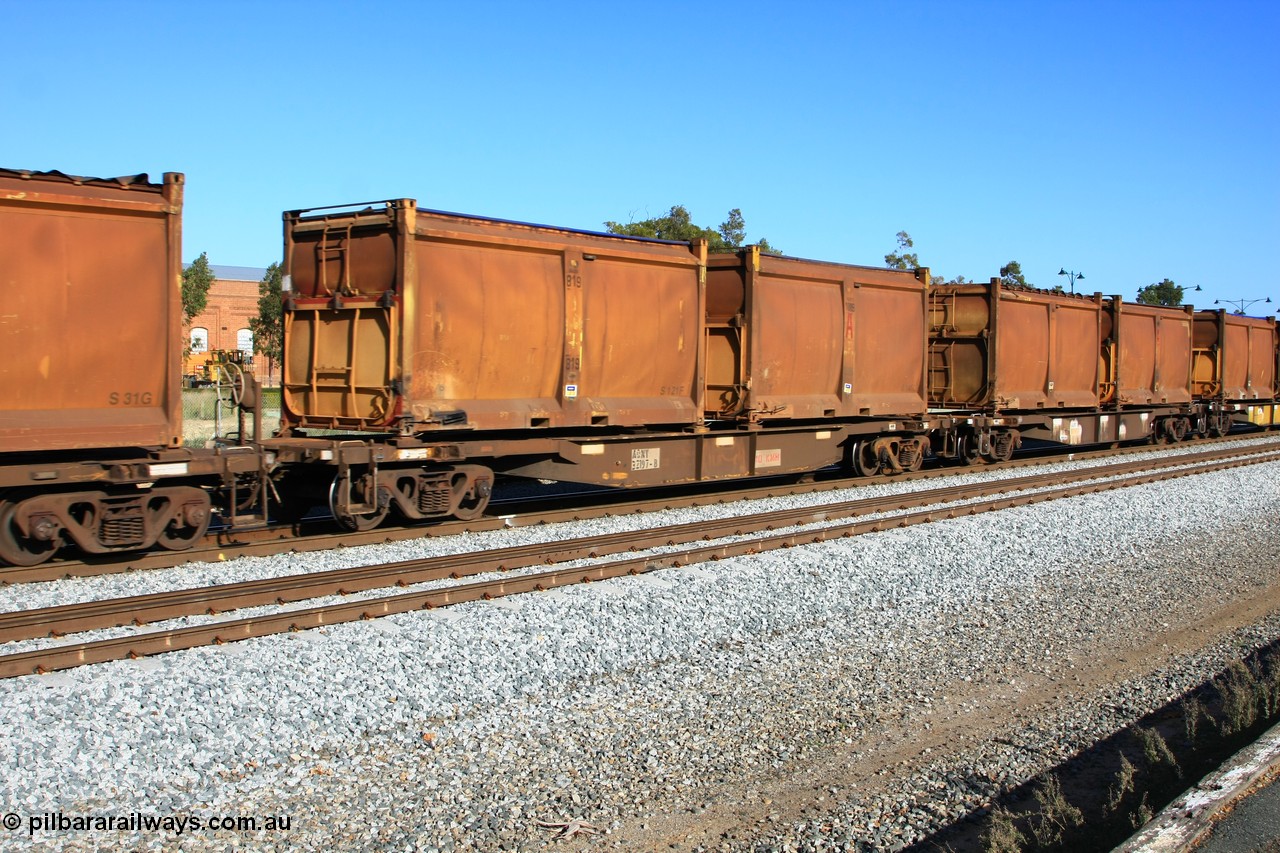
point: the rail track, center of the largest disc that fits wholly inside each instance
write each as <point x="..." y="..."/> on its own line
<point x="727" y="537"/>
<point x="319" y="535"/>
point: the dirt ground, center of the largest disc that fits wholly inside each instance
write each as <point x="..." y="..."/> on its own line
<point x="975" y="714"/>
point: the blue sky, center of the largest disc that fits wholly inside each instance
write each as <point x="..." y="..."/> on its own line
<point x="1129" y="141"/>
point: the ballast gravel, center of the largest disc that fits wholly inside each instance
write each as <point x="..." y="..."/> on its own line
<point x="597" y="708"/>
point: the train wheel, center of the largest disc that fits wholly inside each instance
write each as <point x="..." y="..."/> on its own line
<point x="1179" y="429"/>
<point x="866" y="462"/>
<point x="187" y="527"/>
<point x="356" y="516"/>
<point x="1219" y="425"/>
<point x="19" y="550"/>
<point x="967" y="450"/>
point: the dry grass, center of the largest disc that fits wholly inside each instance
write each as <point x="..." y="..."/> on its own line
<point x="1056" y="815"/>
<point x="1240" y="693"/>
<point x="1123" y="786"/>
<point x="1156" y="750"/>
<point x="1192" y="713"/>
<point x="1002" y="834"/>
<point x="1143" y="814"/>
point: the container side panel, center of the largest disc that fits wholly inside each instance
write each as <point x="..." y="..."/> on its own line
<point x="1076" y="348"/>
<point x="1174" y="360"/>
<point x="1022" y="355"/>
<point x="890" y="342"/>
<point x="1137" y="373"/>
<point x="1262" y="360"/>
<point x="641" y="334"/>
<point x="490" y="329"/>
<point x="1235" y="362"/>
<point x="799" y="341"/>
<point x="86" y="338"/>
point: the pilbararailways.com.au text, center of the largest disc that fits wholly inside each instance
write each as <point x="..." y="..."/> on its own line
<point x="57" y="822"/>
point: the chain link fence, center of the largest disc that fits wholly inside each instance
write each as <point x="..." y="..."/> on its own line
<point x="208" y="413"/>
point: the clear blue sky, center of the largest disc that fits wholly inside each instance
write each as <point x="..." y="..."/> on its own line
<point x="1131" y="141"/>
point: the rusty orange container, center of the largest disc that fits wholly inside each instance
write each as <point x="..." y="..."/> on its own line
<point x="404" y="319"/>
<point x="1235" y="356"/>
<point x="1146" y="353"/>
<point x="800" y="339"/>
<point x="1006" y="349"/>
<point x="90" y="325"/>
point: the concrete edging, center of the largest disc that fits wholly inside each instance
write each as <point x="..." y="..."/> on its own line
<point x="1187" y="820"/>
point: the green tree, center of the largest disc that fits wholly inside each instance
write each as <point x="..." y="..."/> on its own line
<point x="196" y="281"/>
<point x="902" y="259"/>
<point x="734" y="229"/>
<point x="268" y="326"/>
<point x="1011" y="275"/>
<point x="678" y="224"/>
<point x="1161" y="293"/>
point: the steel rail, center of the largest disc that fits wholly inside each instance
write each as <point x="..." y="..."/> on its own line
<point x="76" y="654"/>
<point x="276" y="539"/>
<point x="154" y="607"/>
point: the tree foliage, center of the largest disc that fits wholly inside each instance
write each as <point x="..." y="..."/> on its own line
<point x="268" y="326"/>
<point x="1011" y="275"/>
<point x="196" y="281"/>
<point x="678" y="224"/>
<point x="1163" y="292"/>
<point x="902" y="259"/>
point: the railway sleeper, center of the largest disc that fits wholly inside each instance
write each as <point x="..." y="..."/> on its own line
<point x="33" y="529"/>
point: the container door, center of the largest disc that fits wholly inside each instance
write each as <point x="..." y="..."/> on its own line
<point x="339" y="365"/>
<point x="342" y="318"/>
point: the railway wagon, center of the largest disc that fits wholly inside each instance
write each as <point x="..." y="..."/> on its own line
<point x="90" y="399"/>
<point x="477" y="345"/>
<point x="795" y="339"/>
<point x="1235" y="368"/>
<point x="470" y="343"/>
<point x="1057" y="367"/>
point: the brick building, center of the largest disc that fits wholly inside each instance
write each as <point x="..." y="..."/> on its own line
<point x="224" y="323"/>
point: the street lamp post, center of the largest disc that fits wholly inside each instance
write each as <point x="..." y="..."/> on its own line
<point x="1071" y="275"/>
<point x="1242" y="304"/>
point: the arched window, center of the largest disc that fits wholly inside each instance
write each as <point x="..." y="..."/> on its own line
<point x="244" y="341"/>
<point x="199" y="339"/>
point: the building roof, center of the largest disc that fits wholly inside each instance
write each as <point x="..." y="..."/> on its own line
<point x="237" y="273"/>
